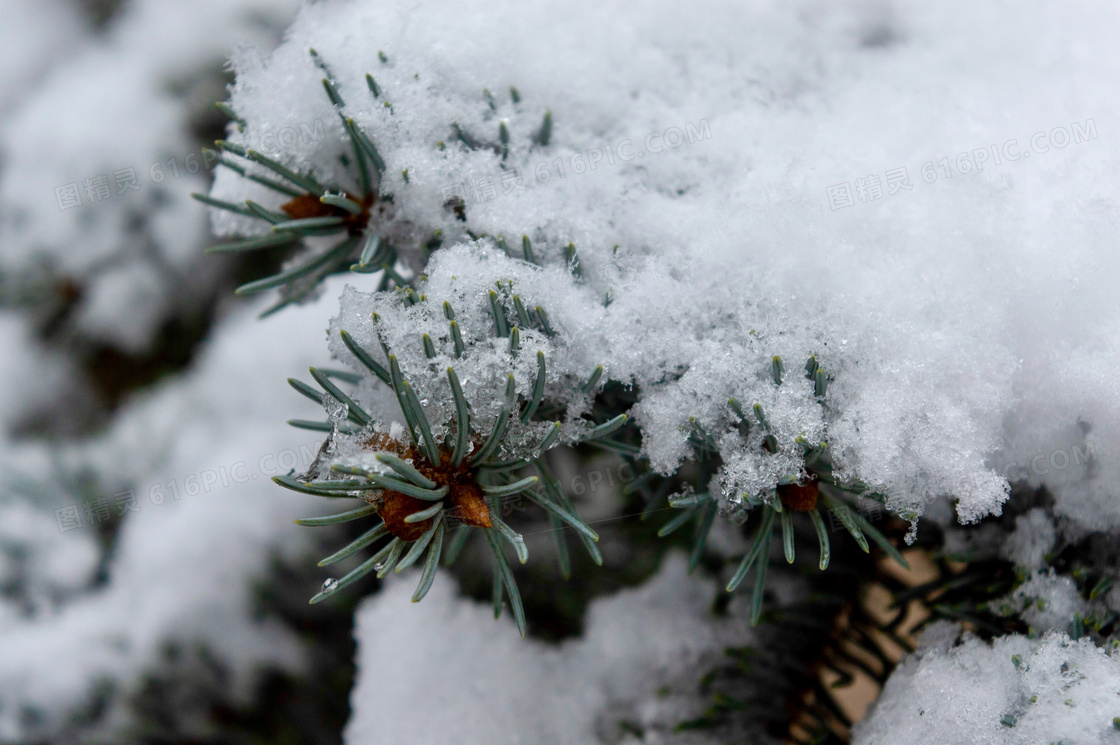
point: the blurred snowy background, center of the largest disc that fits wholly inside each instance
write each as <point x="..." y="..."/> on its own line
<point x="938" y="177"/>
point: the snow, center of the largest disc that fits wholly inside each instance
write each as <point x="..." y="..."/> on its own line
<point x="967" y="322"/>
<point x="119" y="105"/>
<point x="122" y="303"/>
<point x="446" y="669"/>
<point x="943" y="313"/>
<point x="40" y="375"/>
<point x="197" y="456"/>
<point x="463" y="277"/>
<point x="1046" y="601"/>
<point x="35" y="33"/>
<point x="1031" y="541"/>
<point x="1014" y="690"/>
<point x="39" y="567"/>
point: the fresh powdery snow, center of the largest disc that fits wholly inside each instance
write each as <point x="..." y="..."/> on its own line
<point x="963" y="691"/>
<point x="963" y="316"/>
<point x="919" y="195"/>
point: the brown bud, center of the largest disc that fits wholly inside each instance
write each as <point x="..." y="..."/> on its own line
<point x="799" y="497"/>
